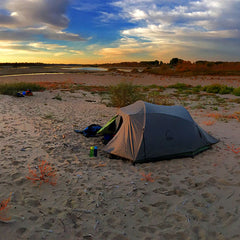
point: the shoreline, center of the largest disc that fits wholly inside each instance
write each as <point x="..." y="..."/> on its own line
<point x="112" y="78"/>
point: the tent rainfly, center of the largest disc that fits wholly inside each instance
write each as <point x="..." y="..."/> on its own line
<point x="147" y="132"/>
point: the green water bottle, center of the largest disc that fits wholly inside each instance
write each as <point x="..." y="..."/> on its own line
<point x="91" y="154"/>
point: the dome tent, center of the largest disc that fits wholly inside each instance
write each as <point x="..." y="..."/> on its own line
<point x="150" y="132"/>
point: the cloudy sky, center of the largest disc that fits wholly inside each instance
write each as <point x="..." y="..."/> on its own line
<point x="98" y="31"/>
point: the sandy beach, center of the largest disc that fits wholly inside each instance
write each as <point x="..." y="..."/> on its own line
<point x="112" y="78"/>
<point x="108" y="199"/>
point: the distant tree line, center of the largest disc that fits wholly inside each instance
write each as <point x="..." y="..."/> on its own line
<point x="23" y="64"/>
<point x="156" y="63"/>
<point x="176" y="66"/>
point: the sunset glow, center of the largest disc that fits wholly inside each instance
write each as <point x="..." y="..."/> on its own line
<point x="73" y="31"/>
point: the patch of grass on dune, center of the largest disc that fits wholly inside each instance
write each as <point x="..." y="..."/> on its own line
<point x="180" y="86"/>
<point x="124" y="94"/>
<point x="213" y="88"/>
<point x="13" y="88"/>
<point x="153" y="87"/>
<point x="236" y="91"/>
<point x="218" y="88"/>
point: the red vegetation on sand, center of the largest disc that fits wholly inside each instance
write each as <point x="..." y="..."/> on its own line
<point x="234" y="149"/>
<point x="44" y="173"/>
<point x="3" y="209"/>
<point x="56" y="85"/>
<point x="217" y="116"/>
<point x="208" y="123"/>
<point x="147" y="177"/>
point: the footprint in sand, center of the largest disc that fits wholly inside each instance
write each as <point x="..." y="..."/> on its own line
<point x="175" y="217"/>
<point x="161" y="205"/>
<point x="33" y="218"/>
<point x="15" y="176"/>
<point x="48" y="224"/>
<point x="19" y="181"/>
<point x="209" y="197"/>
<point x="15" y="162"/>
<point x="147" y="229"/>
<point x="20" y="231"/>
<point x="32" y="202"/>
<point x="145" y="209"/>
<point x="120" y="237"/>
<point x="197" y="214"/>
<point x="160" y="190"/>
<point x="199" y="233"/>
<point x="111" y="221"/>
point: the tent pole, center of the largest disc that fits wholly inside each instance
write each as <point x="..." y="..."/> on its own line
<point x="144" y="146"/>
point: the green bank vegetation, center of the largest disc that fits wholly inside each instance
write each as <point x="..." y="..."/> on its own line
<point x="124" y="93"/>
<point x="13" y="88"/>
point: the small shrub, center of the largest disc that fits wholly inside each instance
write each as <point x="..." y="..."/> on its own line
<point x="218" y="88"/>
<point x="214" y="108"/>
<point x="124" y="94"/>
<point x="197" y="89"/>
<point x="156" y="98"/>
<point x="180" y="86"/>
<point x="199" y="106"/>
<point x="237" y="100"/>
<point x="236" y="91"/>
<point x="13" y="88"/>
<point x="226" y="90"/>
<point x="44" y="173"/>
<point x="147" y="177"/>
<point x="153" y="86"/>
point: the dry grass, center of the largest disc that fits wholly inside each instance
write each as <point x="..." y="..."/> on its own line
<point x="13" y="88"/>
<point x="219" y="116"/>
<point x="208" y="123"/>
<point x="124" y="94"/>
<point x="3" y="209"/>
